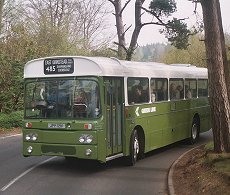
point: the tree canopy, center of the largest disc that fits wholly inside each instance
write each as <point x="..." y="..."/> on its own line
<point x="31" y="29"/>
<point x="174" y="29"/>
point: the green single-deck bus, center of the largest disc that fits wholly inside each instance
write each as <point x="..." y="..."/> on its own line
<point x="103" y="108"/>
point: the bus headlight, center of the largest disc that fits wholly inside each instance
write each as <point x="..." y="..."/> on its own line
<point x="81" y="139"/>
<point x="31" y="137"/>
<point x="85" y="139"/>
<point x="34" y="137"/>
<point x="89" y="139"/>
<point x="27" y="137"/>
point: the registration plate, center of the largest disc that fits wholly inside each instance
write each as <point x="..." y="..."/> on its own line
<point x="56" y="126"/>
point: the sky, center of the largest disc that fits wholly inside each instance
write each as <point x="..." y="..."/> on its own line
<point x="150" y="34"/>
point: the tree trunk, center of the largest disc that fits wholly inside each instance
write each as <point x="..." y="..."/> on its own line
<point x="220" y="108"/>
<point x="1" y="13"/>
<point x="124" y="53"/>
<point x="136" y="32"/>
<point x="224" y="53"/>
<point x="120" y="29"/>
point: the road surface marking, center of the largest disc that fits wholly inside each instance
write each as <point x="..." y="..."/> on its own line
<point x="24" y="173"/>
<point x="9" y="136"/>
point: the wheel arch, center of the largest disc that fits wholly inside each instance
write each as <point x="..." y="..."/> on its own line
<point x="195" y="130"/>
<point x="197" y="118"/>
<point x="141" y="137"/>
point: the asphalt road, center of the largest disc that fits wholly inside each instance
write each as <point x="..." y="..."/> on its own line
<point x="55" y="175"/>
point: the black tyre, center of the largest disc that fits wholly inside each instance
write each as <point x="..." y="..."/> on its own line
<point x="195" y="129"/>
<point x="134" y="148"/>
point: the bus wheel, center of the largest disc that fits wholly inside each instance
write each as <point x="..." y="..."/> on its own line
<point x="194" y="131"/>
<point x="134" y="148"/>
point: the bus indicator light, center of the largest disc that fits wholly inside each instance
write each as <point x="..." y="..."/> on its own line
<point x="88" y="126"/>
<point x="29" y="125"/>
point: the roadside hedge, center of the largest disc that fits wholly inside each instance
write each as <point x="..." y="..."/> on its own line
<point x="11" y="120"/>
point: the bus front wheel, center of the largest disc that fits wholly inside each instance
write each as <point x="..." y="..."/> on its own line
<point x="134" y="148"/>
<point x="194" y="131"/>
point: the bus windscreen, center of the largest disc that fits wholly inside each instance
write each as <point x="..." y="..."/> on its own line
<point x="63" y="98"/>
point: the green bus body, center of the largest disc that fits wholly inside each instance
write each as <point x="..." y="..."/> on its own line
<point x="110" y="133"/>
<point x="170" y="123"/>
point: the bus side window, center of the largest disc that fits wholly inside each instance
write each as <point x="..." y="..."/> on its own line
<point x="138" y="90"/>
<point x="202" y="88"/>
<point x="159" y="90"/>
<point x="190" y="88"/>
<point x="176" y="89"/>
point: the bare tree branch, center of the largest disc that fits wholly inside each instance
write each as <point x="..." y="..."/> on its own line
<point x="127" y="2"/>
<point x="154" y="14"/>
<point x="123" y="34"/>
<point x="113" y="2"/>
<point x="116" y="43"/>
<point x="149" y="23"/>
<point x="119" y="27"/>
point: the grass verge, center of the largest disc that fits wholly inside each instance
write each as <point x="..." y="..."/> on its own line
<point x="219" y="162"/>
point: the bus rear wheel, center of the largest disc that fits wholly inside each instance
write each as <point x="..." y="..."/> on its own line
<point x="134" y="148"/>
<point x="194" y="134"/>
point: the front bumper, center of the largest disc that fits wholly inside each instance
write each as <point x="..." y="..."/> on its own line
<point x="79" y="151"/>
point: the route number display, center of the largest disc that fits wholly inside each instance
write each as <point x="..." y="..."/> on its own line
<point x="58" y="66"/>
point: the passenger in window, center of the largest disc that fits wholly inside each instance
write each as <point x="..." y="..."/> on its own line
<point x="162" y="94"/>
<point x="174" y="93"/>
<point x="138" y="96"/>
<point x="188" y="93"/>
<point x="63" y="104"/>
<point x="94" y="104"/>
<point x="52" y="99"/>
<point x="181" y="91"/>
<point x="153" y="97"/>
<point x="80" y="104"/>
<point x="82" y="97"/>
<point x="153" y="93"/>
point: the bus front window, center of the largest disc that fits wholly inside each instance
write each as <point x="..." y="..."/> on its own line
<point x="71" y="99"/>
<point x="86" y="102"/>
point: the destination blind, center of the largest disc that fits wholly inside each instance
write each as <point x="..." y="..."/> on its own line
<point x="58" y="66"/>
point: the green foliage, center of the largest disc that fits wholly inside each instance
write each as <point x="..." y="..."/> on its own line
<point x="194" y="54"/>
<point x="31" y="35"/>
<point x="223" y="166"/>
<point x="209" y="147"/>
<point x="17" y="49"/>
<point x="220" y="161"/>
<point x="104" y="51"/>
<point x="150" y="52"/>
<point x="11" y="120"/>
<point x="163" y="7"/>
<point x="177" y="33"/>
<point x="175" y="30"/>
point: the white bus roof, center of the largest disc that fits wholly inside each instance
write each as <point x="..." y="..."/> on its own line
<point x="102" y="66"/>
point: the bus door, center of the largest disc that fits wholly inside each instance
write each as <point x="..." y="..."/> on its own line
<point x="114" y="114"/>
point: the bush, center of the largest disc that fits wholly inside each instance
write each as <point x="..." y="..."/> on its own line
<point x="11" y="120"/>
